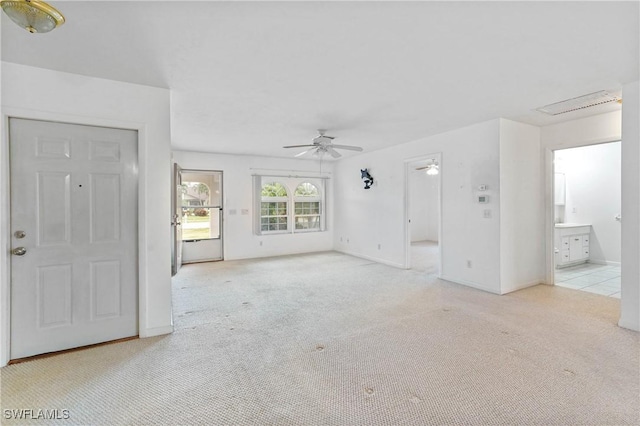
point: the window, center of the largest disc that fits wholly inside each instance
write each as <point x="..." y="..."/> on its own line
<point x="288" y="205"/>
<point x="274" y="207"/>
<point x="307" y="212"/>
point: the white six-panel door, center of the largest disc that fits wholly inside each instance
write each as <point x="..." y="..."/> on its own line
<point x="74" y="277"/>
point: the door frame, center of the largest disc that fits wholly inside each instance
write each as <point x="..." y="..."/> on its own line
<point x="407" y="227"/>
<point x="549" y="188"/>
<point x="222" y="218"/>
<point x="5" y="211"/>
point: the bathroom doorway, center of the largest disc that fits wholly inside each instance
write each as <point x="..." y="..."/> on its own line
<point x="587" y="219"/>
<point x="423" y="214"/>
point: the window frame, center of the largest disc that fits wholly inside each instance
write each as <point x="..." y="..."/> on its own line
<point x="289" y="182"/>
<point x="308" y="199"/>
<point x="280" y="199"/>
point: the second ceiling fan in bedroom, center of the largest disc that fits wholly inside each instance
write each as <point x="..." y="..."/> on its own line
<point x="323" y="144"/>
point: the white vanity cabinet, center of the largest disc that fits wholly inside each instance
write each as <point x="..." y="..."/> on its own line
<point x="572" y="244"/>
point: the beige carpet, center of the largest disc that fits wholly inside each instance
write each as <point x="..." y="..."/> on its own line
<point x="425" y="257"/>
<point x="330" y="339"/>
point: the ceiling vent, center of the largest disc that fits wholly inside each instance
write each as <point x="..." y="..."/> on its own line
<point x="581" y="102"/>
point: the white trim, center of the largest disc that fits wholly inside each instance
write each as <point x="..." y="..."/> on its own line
<point x="407" y="228"/>
<point x="523" y="285"/>
<point x="470" y="284"/>
<point x="5" y="284"/>
<point x="549" y="171"/>
<point x="157" y="331"/>
<point x="604" y="262"/>
<point x="630" y="325"/>
<point x="374" y="259"/>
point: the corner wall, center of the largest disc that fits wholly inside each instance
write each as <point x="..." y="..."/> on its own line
<point x="41" y="94"/>
<point x="630" y="303"/>
<point x="239" y="240"/>
<point x="371" y="223"/>
<point x="521" y="207"/>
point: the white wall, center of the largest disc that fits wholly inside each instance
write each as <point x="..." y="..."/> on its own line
<point x="630" y="303"/>
<point x="37" y="93"/>
<point x="424" y="205"/>
<point x="368" y="219"/>
<point x="521" y="207"/>
<point x="418" y="205"/>
<point x="240" y="242"/>
<point x="593" y="195"/>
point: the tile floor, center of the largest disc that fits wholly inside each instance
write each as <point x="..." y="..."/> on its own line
<point x="599" y="279"/>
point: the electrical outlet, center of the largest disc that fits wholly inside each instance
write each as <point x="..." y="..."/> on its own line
<point x="379" y="246"/>
<point x="487" y="214"/>
<point x="347" y="241"/>
<point x="260" y="243"/>
<point x="340" y="239"/>
<point x="468" y="264"/>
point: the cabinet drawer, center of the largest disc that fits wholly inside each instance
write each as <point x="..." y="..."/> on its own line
<point x="564" y="257"/>
<point x="585" y="252"/>
<point x="565" y="243"/>
<point x="585" y="240"/>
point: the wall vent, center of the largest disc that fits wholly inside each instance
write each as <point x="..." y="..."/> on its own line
<point x="581" y="102"/>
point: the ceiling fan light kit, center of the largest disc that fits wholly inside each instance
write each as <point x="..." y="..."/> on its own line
<point x="432" y="168"/>
<point x="33" y="15"/>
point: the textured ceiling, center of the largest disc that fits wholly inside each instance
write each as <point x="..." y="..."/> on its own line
<point x="251" y="77"/>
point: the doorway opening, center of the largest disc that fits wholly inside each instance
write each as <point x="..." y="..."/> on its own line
<point x="587" y="220"/>
<point x="199" y="215"/>
<point x="423" y="213"/>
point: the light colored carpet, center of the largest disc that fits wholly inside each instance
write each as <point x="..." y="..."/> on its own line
<point x="329" y="339"/>
<point x="425" y="257"/>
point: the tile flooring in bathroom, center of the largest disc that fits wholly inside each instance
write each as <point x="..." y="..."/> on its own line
<point x="598" y="279"/>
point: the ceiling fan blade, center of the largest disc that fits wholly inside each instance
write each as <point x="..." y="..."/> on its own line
<point x="298" y="146"/>
<point x="304" y="152"/>
<point x="349" y="147"/>
<point x="333" y="152"/>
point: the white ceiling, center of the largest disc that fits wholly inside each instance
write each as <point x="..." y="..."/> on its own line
<point x="250" y="77"/>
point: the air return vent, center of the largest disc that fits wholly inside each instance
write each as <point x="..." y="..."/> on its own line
<point x="581" y="102"/>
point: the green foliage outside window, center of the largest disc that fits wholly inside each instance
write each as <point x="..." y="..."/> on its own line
<point x="273" y="189"/>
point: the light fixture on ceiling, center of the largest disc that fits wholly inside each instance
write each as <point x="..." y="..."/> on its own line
<point x="33" y="15"/>
<point x="432" y="168"/>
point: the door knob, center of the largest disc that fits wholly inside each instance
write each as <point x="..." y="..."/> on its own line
<point x="19" y="251"/>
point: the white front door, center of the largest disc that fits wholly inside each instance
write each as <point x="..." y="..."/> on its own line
<point x="74" y="262"/>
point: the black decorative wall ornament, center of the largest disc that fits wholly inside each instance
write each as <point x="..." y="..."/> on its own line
<point x="367" y="178"/>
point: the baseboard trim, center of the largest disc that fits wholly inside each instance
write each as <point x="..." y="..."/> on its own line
<point x="374" y="259"/>
<point x="604" y="262"/>
<point x="523" y="286"/>
<point x="469" y="284"/>
<point x="629" y="325"/>
<point x="156" y="331"/>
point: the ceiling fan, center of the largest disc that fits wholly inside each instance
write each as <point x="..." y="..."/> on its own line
<point x="323" y="144"/>
<point x="432" y="167"/>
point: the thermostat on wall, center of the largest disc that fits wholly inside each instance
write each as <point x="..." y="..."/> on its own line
<point x="483" y="199"/>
